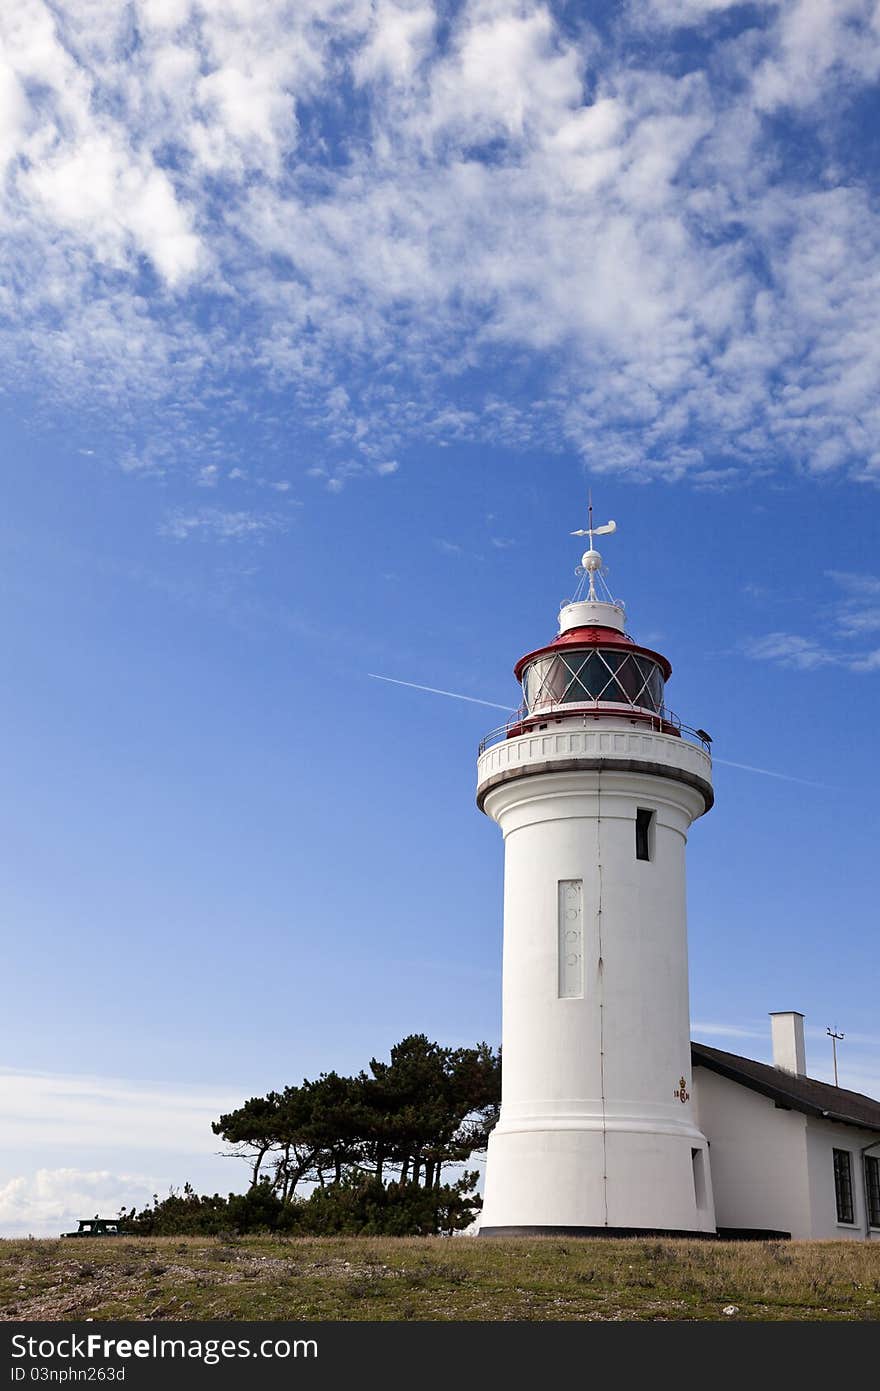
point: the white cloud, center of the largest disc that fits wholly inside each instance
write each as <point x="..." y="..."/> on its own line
<point x="79" y="172"/>
<point x="813" y="39"/>
<point x="869" y="661"/>
<point x="50" y="1201"/>
<point x="335" y="476"/>
<point x="856" y="583"/>
<point x="790" y="650"/>
<point x="508" y="73"/>
<point x="212" y="522"/>
<point x="12" y="113"/>
<point x="397" y="40"/>
<point x="76" y="1144"/>
<point x="690" y="303"/>
<point x="858" y="611"/>
<point x="851" y="616"/>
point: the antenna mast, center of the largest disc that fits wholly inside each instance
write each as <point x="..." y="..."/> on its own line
<point x="834" y="1036"/>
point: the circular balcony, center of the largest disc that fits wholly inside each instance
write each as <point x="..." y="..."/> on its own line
<point x="593" y="739"/>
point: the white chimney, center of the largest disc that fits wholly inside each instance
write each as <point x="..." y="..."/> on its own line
<point x="787" y="1031"/>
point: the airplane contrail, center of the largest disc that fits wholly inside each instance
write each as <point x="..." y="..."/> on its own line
<point x="768" y="773"/>
<point x="473" y="700"/>
<point x="433" y="690"/>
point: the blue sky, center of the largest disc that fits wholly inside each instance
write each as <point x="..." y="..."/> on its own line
<point x="317" y="322"/>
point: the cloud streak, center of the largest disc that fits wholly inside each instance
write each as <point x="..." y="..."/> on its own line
<point x="715" y="1030"/>
<point x="71" y="1111"/>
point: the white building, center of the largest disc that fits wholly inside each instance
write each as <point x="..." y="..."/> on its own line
<point x="787" y="1153"/>
<point x="609" y="1122"/>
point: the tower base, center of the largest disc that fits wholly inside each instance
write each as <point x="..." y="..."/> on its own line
<point x="578" y="1175"/>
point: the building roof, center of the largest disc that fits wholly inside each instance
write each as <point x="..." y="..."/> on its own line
<point x="796" y="1093"/>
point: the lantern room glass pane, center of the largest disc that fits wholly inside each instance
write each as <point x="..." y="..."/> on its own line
<point x="544" y="682"/>
<point x="606" y="675"/>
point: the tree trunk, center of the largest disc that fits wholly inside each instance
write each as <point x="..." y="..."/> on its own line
<point x="286" y="1185"/>
<point x="255" y="1177"/>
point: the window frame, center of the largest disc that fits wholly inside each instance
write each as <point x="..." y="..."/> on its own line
<point x="844" y="1192"/>
<point x="872" y="1188"/>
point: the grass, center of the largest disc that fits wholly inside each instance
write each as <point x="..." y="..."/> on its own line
<point x="384" y="1278"/>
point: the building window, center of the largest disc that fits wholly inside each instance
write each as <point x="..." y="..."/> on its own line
<point x="644" y="834"/>
<point x="843" y="1189"/>
<point x="872" y="1188"/>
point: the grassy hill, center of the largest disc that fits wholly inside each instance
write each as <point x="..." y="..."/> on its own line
<point x="435" y="1278"/>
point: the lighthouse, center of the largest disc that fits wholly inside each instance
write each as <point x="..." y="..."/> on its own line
<point x="595" y="785"/>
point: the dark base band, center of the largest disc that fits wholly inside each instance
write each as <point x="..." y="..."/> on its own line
<point x="598" y="765"/>
<point x="722" y="1234"/>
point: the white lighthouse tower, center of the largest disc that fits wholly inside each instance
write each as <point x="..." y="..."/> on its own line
<point x="595" y="785"/>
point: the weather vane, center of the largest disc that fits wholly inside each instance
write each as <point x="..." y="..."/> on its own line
<point x="591" y="560"/>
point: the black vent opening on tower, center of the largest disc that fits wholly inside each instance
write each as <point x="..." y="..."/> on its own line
<point x="644" y="834"/>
